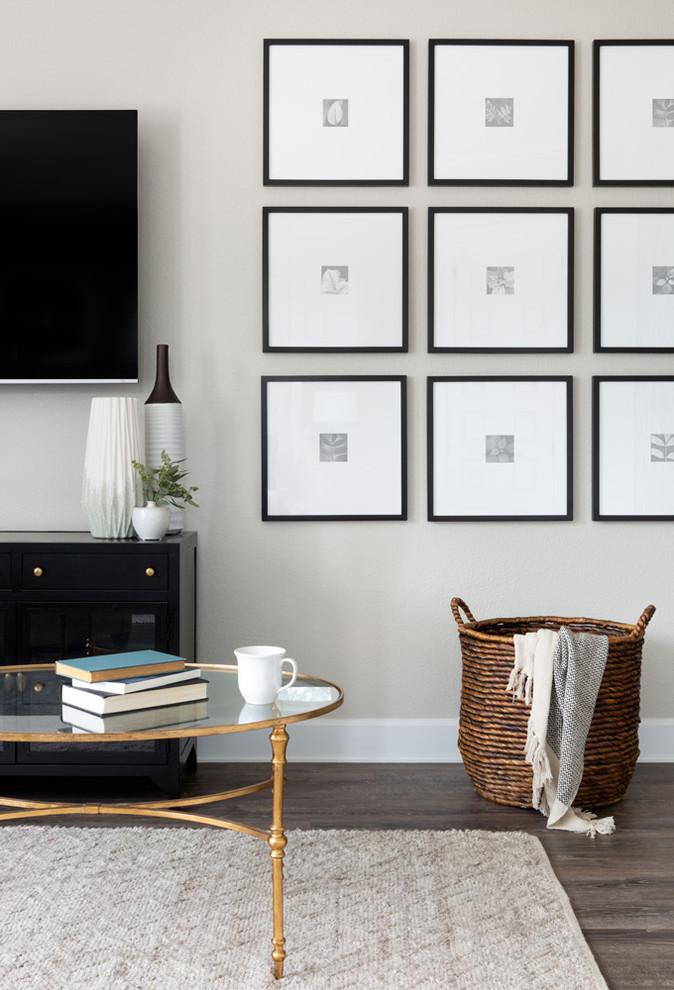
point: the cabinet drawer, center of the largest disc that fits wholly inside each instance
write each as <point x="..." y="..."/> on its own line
<point x="5" y="570"/>
<point x="95" y="571"/>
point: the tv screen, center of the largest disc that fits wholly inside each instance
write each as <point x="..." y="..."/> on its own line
<point x="68" y="246"/>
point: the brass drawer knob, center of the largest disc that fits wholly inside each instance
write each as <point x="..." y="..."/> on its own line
<point x="38" y="572"/>
<point x="38" y="687"/>
<point x="150" y="571"/>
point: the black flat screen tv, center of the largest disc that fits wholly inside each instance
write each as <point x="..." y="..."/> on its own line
<point x="68" y="246"/>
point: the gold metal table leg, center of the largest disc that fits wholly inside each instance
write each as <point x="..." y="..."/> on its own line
<point x="275" y="836"/>
<point x="277" y="843"/>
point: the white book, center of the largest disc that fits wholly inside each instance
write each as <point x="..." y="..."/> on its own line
<point x="146" y="718"/>
<point x="130" y="684"/>
<point x="105" y="703"/>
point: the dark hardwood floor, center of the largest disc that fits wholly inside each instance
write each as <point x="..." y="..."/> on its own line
<point x="621" y="886"/>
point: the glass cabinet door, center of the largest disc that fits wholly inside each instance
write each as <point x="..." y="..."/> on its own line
<point x="7" y="655"/>
<point x="63" y="631"/>
<point x="7" y="633"/>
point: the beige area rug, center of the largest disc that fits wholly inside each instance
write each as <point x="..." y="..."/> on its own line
<point x="190" y="909"/>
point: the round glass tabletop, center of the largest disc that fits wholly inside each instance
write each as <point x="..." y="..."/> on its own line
<point x="31" y="708"/>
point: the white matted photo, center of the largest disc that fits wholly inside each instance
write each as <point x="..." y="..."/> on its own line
<point x="335" y="279"/>
<point x="633" y="104"/>
<point x="634" y="279"/>
<point x="499" y="448"/>
<point x="500" y="279"/>
<point x="334" y="448"/>
<point x="633" y="448"/>
<point x="500" y="112"/>
<point x="336" y="112"/>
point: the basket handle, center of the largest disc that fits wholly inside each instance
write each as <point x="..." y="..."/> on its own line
<point x="458" y="603"/>
<point x="640" y="627"/>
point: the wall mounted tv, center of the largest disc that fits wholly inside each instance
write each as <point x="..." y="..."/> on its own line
<point x="68" y="246"/>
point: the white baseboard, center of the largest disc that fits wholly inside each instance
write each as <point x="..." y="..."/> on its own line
<point x="335" y="740"/>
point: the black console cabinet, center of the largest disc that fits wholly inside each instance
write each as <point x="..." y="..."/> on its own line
<point x="65" y="595"/>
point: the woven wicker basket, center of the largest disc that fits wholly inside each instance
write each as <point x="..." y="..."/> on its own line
<point x="493" y="726"/>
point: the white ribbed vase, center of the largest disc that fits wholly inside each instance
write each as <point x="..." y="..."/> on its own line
<point x="164" y="431"/>
<point x="111" y="487"/>
<point x="164" y="426"/>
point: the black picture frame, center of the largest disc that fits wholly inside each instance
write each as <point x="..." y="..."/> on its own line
<point x="334" y="448"/>
<point x="632" y="467"/>
<point x="478" y="304"/>
<point x="335" y="279"/>
<point x="477" y="137"/>
<point x="500" y="448"/>
<point x="628" y="148"/>
<point x="633" y="294"/>
<point x="369" y="108"/>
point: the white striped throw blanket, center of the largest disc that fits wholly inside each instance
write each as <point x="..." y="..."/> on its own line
<point x="559" y="675"/>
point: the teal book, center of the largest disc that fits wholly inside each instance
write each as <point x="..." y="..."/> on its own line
<point x="116" y="666"/>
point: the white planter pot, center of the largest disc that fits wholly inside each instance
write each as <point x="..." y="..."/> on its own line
<point x="151" y="521"/>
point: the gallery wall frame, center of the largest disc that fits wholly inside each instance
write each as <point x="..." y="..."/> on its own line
<point x="633" y="448"/>
<point x="334" y="448"/>
<point x="634" y="279"/>
<point x="633" y="113"/>
<point x="336" y="112"/>
<point x="500" y="448"/>
<point x="335" y="279"/>
<point x="500" y="279"/>
<point x="501" y="112"/>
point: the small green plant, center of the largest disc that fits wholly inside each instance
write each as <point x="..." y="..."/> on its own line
<point x="162" y="484"/>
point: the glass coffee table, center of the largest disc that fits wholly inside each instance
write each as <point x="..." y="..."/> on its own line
<point x="33" y="715"/>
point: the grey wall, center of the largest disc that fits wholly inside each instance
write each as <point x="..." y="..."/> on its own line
<point x="366" y="604"/>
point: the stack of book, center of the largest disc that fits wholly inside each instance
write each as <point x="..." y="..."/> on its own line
<point x="127" y="691"/>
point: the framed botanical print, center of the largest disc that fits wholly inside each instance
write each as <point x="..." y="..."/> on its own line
<point x="499" y="448"/>
<point x="633" y="448"/>
<point x="334" y="448"/>
<point x="500" y="113"/>
<point x="335" y="279"/>
<point x="336" y="112"/>
<point x="633" y="104"/>
<point x="500" y="279"/>
<point x="634" y="280"/>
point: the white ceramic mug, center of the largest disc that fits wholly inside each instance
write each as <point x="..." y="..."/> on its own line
<point x="260" y="673"/>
